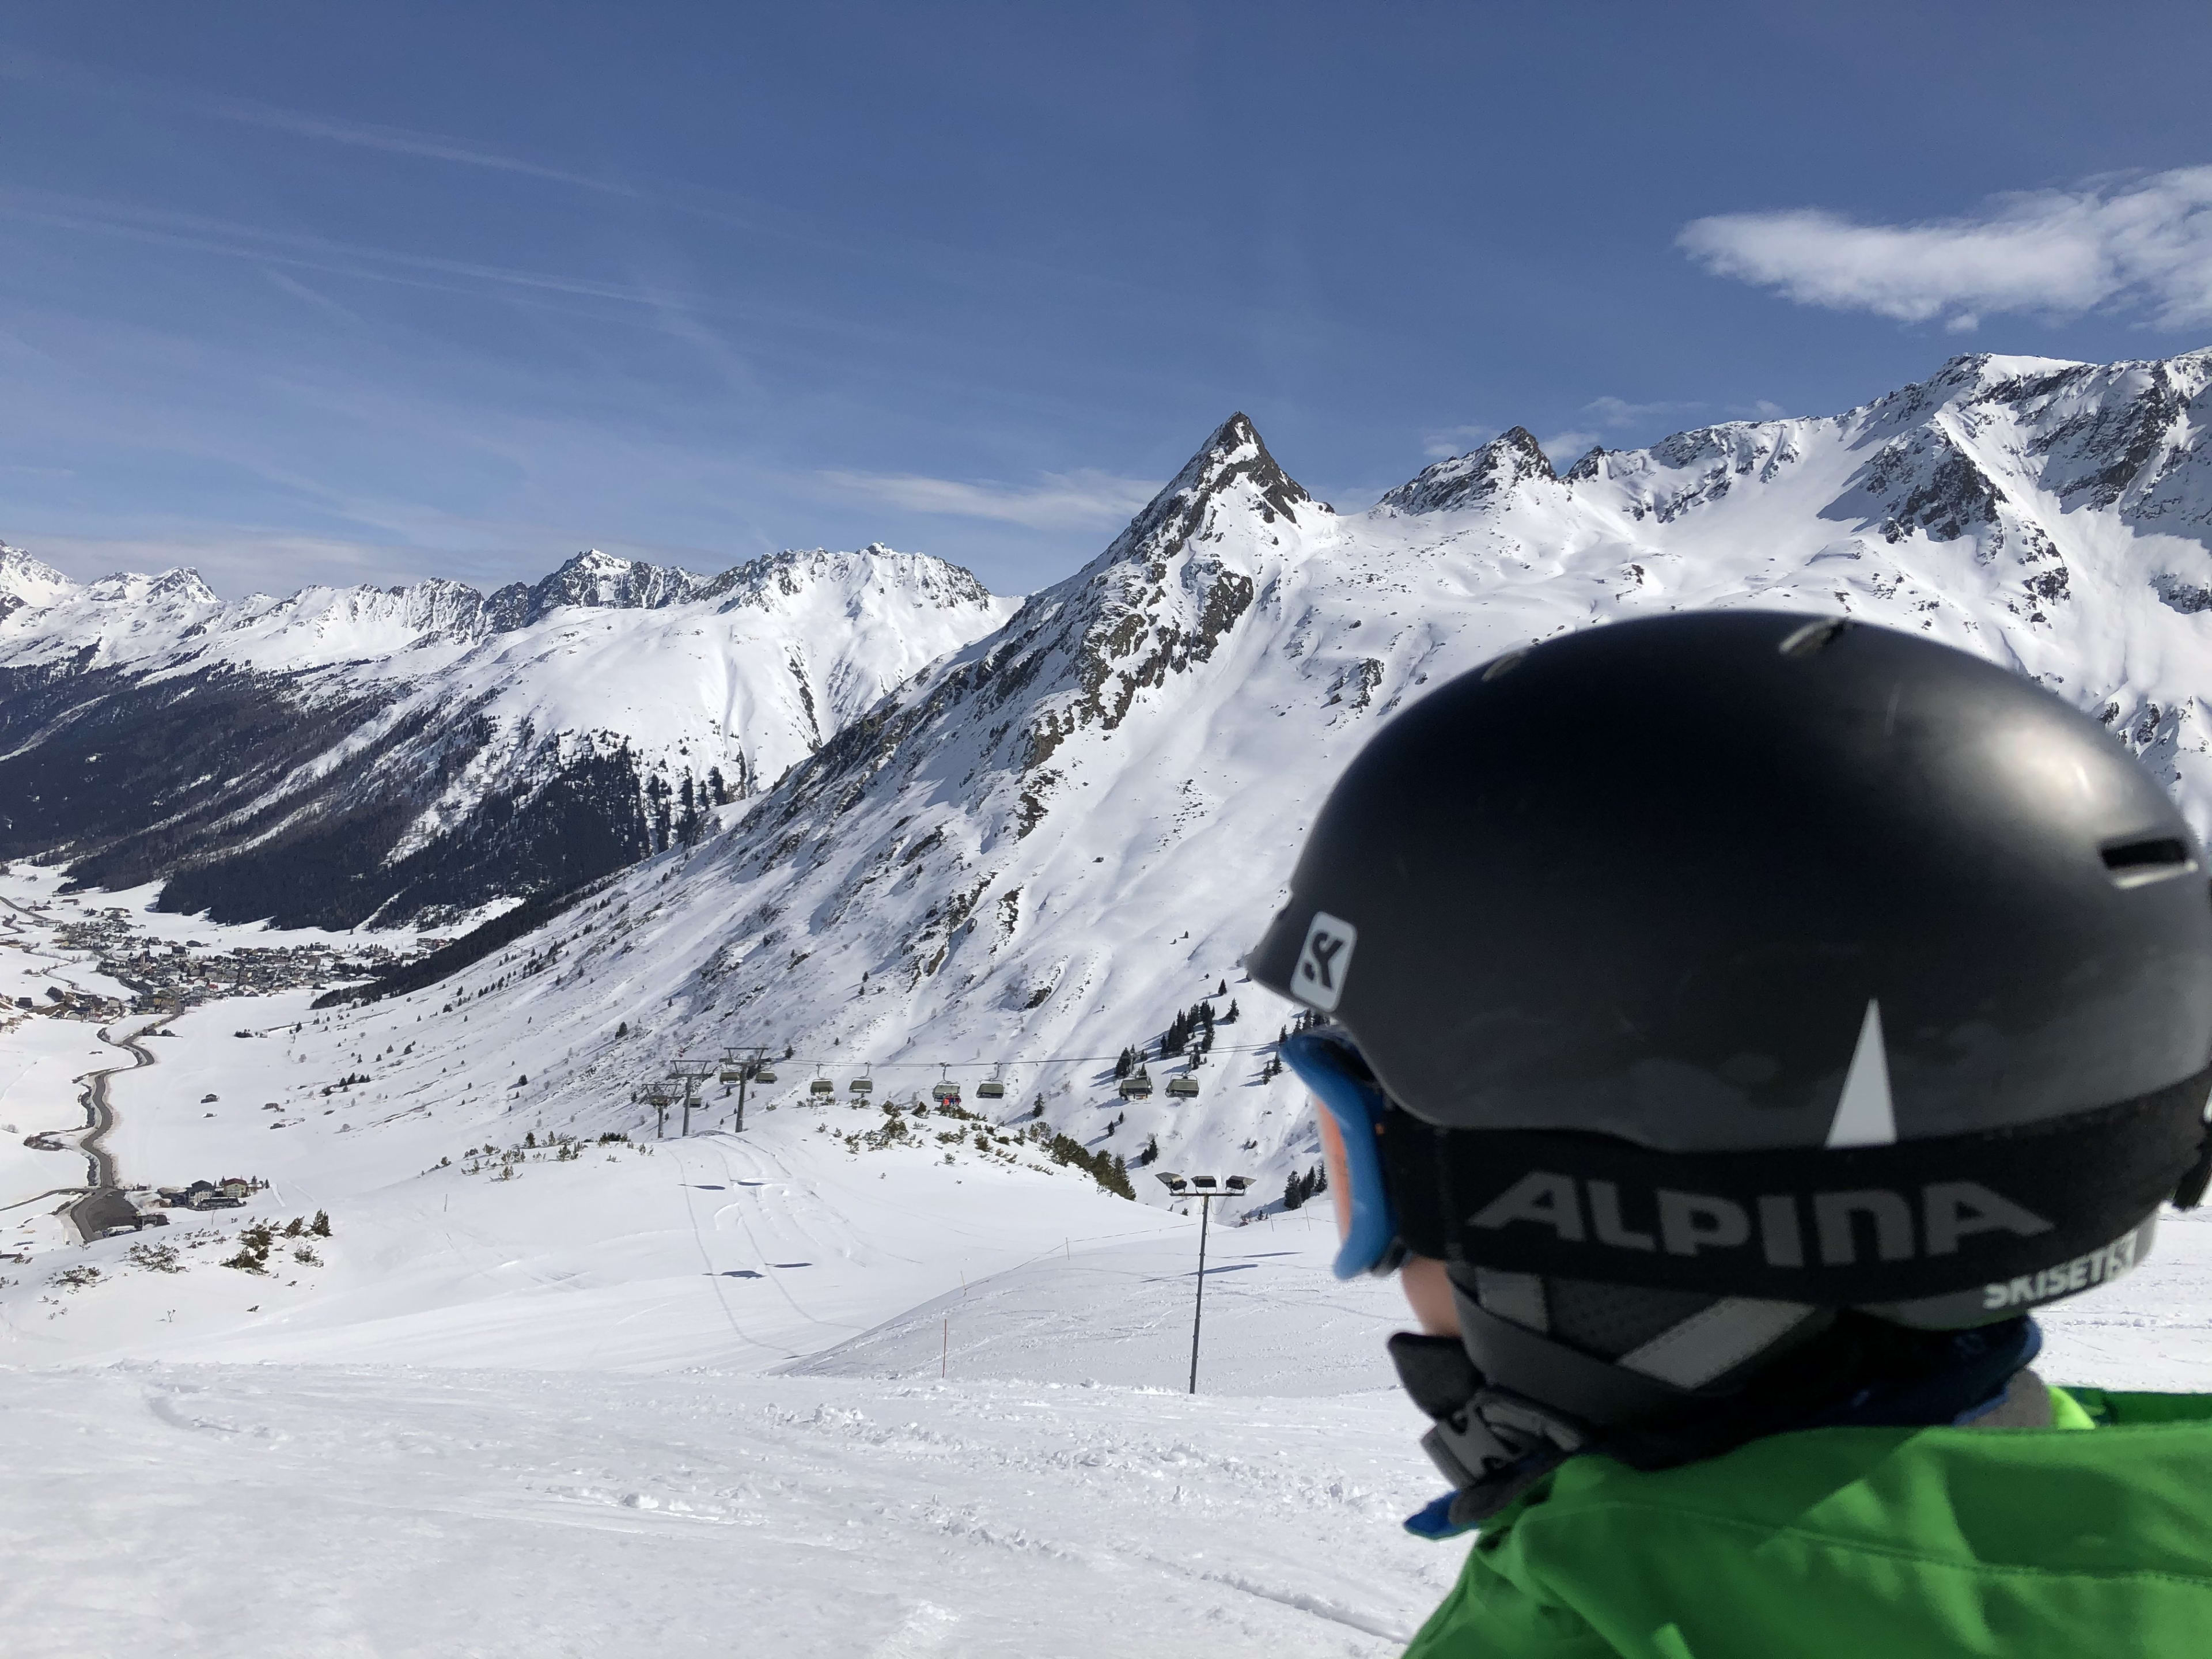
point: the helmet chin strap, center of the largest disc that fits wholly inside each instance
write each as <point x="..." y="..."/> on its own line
<point x="1509" y="1402"/>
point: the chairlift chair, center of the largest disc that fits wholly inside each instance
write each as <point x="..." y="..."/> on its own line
<point x="820" y="1088"/>
<point x="862" y="1086"/>
<point x="990" y="1088"/>
<point x="1138" y="1085"/>
<point x="1183" y="1087"/>
<point x="731" y="1073"/>
<point x="764" y="1075"/>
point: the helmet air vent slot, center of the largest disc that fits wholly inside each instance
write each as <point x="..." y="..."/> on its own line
<point x="2133" y="863"/>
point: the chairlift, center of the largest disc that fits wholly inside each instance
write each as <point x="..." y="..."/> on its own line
<point x="862" y="1084"/>
<point x="1183" y="1087"/>
<point x="1138" y="1085"/>
<point x="946" y="1092"/>
<point x="820" y="1088"/>
<point x="765" y="1073"/>
<point x="657" y="1096"/>
<point x="990" y="1088"/>
<point x="730" y="1073"/>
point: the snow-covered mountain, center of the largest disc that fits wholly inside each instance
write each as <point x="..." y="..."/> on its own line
<point x="1069" y="830"/>
<point x="24" y="581"/>
<point x="345" y="753"/>
<point x="1065" y="829"/>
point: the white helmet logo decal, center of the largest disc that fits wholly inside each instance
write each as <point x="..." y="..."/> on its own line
<point x="1864" y="1115"/>
<point x="1324" y="960"/>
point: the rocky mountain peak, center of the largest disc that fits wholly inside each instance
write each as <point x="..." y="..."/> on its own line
<point x="1233" y="458"/>
<point x="594" y="578"/>
<point x="25" y="582"/>
<point x="1479" y="475"/>
<point x="877" y="567"/>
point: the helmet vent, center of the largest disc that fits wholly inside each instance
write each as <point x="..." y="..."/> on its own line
<point x="1814" y="637"/>
<point x="2133" y="863"/>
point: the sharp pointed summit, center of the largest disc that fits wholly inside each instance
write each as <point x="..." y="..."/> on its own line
<point x="1477" y="477"/>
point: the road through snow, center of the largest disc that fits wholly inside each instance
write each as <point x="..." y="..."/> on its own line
<point x="103" y="1203"/>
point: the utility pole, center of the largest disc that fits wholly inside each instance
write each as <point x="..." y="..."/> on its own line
<point x="1204" y="1189"/>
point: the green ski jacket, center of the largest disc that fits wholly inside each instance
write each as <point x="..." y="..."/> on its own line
<point x="1870" y="1543"/>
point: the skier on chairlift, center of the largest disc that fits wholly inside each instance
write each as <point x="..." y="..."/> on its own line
<point x="1738" y="1025"/>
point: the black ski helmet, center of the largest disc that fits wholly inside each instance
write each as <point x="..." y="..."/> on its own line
<point x="1760" y="956"/>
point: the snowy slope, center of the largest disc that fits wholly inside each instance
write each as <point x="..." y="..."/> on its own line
<point x="552" y="1413"/>
<point x="345" y="753"/>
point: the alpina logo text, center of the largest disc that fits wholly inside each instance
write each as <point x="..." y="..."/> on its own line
<point x="1842" y="1229"/>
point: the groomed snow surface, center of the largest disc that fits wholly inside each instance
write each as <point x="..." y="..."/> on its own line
<point x="763" y="1394"/>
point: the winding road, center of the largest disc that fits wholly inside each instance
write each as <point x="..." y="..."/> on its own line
<point x="103" y="1205"/>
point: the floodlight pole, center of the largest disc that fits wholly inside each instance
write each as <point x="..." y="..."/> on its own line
<point x="1198" y="1308"/>
<point x="1204" y="1190"/>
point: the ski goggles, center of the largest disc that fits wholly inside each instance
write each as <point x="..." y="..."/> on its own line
<point x="1353" y="1107"/>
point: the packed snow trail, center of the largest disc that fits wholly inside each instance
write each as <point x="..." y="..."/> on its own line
<point x="160" y="1510"/>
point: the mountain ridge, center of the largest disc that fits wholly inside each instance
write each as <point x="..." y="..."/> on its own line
<point x="348" y="754"/>
<point x="1065" y="833"/>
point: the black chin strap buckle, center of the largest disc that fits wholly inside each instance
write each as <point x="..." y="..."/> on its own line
<point x="1493" y="1445"/>
<point x="2189" y="1192"/>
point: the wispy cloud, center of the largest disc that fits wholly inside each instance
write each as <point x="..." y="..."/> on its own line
<point x="1565" y="448"/>
<point x="18" y="64"/>
<point x="235" y="562"/>
<point x="1063" y="501"/>
<point x="397" y="141"/>
<point x="309" y="252"/>
<point x="1446" y="441"/>
<point x="2141" y="244"/>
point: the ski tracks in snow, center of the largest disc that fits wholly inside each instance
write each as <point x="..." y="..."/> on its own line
<point x="512" y="1512"/>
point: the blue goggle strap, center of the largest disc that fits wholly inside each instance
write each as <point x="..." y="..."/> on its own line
<point x="1331" y="1068"/>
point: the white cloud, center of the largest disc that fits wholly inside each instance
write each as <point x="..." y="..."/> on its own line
<point x="2143" y="243"/>
<point x="1565" y="448"/>
<point x="1064" y="501"/>
<point x="1613" y="413"/>
<point x="1451" y="440"/>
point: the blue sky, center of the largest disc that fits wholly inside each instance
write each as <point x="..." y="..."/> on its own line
<point x="370" y="292"/>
